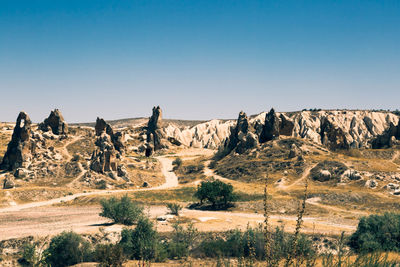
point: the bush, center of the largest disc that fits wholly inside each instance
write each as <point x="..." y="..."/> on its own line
<point x="140" y="243"/>
<point x="174" y="208"/>
<point x="218" y="193"/>
<point x="68" y="248"/>
<point x="182" y="241"/>
<point x="122" y="210"/>
<point x="251" y="244"/>
<point x="377" y="233"/>
<point x="109" y="255"/>
<point x="190" y="169"/>
<point x="177" y="163"/>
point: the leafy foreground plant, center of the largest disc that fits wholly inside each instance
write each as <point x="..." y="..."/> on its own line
<point x="377" y="233"/>
<point x="34" y="254"/>
<point x="122" y="210"/>
<point x="142" y="243"/>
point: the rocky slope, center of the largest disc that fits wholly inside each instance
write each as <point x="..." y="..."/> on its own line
<point x="337" y="129"/>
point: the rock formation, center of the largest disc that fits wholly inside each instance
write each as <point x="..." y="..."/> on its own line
<point x="154" y="133"/>
<point x="275" y="126"/>
<point x="109" y="145"/>
<point x="116" y="138"/>
<point x="19" y="150"/>
<point x="104" y="158"/>
<point x="387" y="138"/>
<point x="294" y="151"/>
<point x="54" y="123"/>
<point x="241" y="137"/>
<point x="333" y="136"/>
<point x="359" y="127"/>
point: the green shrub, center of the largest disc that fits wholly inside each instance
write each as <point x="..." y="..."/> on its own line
<point x="251" y="244"/>
<point x="122" y="210"/>
<point x="218" y="193"/>
<point x="377" y="233"/>
<point x="190" y="169"/>
<point x="182" y="241"/>
<point x="177" y="163"/>
<point x="109" y="255"/>
<point x="174" y="208"/>
<point x="68" y="248"/>
<point x="140" y="243"/>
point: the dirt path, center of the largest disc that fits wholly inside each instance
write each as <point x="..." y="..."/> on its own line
<point x="65" y="151"/>
<point x="316" y="202"/>
<point x="171" y="181"/>
<point x="301" y="179"/>
<point x="42" y="221"/>
<point x="395" y="155"/>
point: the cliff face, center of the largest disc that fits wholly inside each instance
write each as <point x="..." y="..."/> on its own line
<point x="339" y="129"/>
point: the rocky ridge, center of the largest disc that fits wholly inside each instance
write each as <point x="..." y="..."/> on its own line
<point x="336" y="129"/>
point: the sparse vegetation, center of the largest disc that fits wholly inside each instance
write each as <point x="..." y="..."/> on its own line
<point x="174" y="208"/>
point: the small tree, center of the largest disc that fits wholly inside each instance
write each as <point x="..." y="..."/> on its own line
<point x="177" y="163"/>
<point x="122" y="210"/>
<point x="182" y="241"/>
<point x="68" y="248"/>
<point x="218" y="193"/>
<point x="141" y="242"/>
<point x="174" y="208"/>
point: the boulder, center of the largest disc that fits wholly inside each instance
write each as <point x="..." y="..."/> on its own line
<point x="324" y="175"/>
<point x="8" y="183"/>
<point x="392" y="186"/>
<point x="54" y="123"/>
<point x="121" y="171"/>
<point x="352" y="175"/>
<point x="20" y="173"/>
<point x="371" y="183"/>
<point x="19" y="149"/>
<point x="294" y="152"/>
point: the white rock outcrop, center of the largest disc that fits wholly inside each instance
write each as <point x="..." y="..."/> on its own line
<point x="359" y="127"/>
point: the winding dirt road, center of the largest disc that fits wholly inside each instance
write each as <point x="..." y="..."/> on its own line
<point x="171" y="181"/>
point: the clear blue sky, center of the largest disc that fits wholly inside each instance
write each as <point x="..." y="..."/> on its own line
<point x="196" y="59"/>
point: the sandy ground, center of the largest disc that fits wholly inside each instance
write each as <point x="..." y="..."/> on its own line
<point x="45" y="221"/>
<point x="41" y="219"/>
